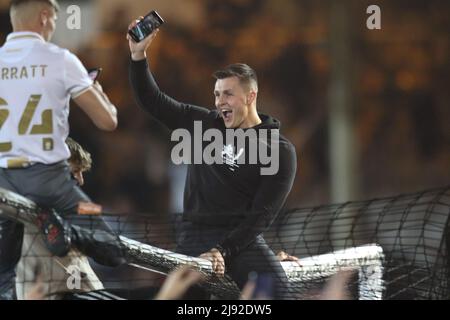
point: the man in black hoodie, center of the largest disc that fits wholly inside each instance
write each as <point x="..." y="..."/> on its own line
<point x="229" y="203"/>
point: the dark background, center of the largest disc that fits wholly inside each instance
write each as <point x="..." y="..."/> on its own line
<point x="395" y="82"/>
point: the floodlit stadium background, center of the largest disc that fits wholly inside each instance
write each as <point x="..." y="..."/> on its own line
<point x="368" y="110"/>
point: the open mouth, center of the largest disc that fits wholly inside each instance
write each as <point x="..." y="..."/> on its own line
<point x="226" y="114"/>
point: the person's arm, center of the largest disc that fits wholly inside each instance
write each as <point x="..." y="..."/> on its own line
<point x="149" y="97"/>
<point x="95" y="103"/>
<point x="178" y="282"/>
<point x="87" y="95"/>
<point x="268" y="202"/>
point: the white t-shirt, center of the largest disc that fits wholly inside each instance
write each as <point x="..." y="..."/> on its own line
<point x="37" y="80"/>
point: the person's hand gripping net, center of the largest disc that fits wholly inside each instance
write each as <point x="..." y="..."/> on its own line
<point x="217" y="260"/>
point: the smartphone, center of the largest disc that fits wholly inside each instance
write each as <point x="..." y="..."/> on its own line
<point x="94" y="73"/>
<point x="146" y="26"/>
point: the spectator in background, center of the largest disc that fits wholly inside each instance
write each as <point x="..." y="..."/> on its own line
<point x="80" y="160"/>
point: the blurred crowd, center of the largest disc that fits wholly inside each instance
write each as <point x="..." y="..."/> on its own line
<point x="400" y="115"/>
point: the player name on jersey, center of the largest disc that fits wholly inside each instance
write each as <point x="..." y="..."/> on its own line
<point x="23" y="72"/>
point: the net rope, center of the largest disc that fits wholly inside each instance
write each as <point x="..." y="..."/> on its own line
<point x="398" y="246"/>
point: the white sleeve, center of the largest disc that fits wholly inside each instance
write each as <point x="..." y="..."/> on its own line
<point x="76" y="78"/>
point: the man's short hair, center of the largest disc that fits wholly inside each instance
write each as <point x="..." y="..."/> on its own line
<point x="246" y="75"/>
<point x="17" y="3"/>
<point x="79" y="157"/>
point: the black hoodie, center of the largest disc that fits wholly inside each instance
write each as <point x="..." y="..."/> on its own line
<point x="228" y="195"/>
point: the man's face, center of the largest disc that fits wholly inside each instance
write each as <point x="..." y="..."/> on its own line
<point x="49" y="17"/>
<point x="231" y="102"/>
<point x="77" y="173"/>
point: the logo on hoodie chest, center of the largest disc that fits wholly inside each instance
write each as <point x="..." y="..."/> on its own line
<point x="230" y="158"/>
<point x="232" y="147"/>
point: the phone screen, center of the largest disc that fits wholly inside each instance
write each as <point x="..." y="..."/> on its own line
<point x="146" y="26"/>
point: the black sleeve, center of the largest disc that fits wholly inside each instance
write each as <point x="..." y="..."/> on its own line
<point x="167" y="110"/>
<point x="268" y="202"/>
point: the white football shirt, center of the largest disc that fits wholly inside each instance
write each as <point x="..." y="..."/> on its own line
<point x="37" y="80"/>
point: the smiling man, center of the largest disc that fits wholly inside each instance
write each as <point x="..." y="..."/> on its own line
<point x="230" y="203"/>
<point x="236" y="91"/>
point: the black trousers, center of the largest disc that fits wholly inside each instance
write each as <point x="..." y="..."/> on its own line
<point x="196" y="239"/>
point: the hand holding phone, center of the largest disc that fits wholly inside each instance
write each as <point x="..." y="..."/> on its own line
<point x="146" y="26"/>
<point x="94" y="73"/>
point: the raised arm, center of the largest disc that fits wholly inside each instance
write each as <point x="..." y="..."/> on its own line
<point x="87" y="95"/>
<point x="149" y="97"/>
